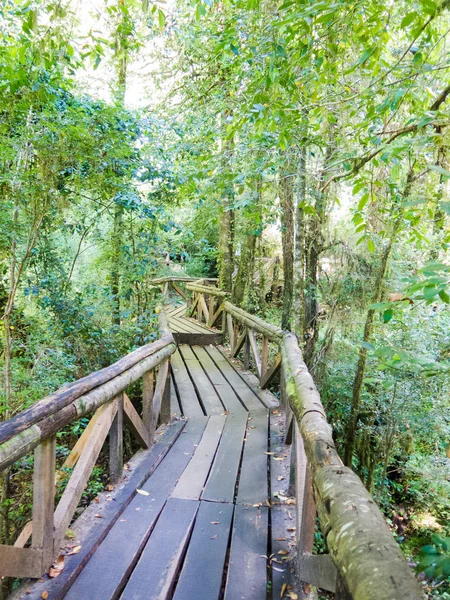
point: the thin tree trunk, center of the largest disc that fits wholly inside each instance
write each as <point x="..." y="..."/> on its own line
<point x="299" y="269"/>
<point x="286" y="187"/>
<point x="368" y="329"/>
<point x="226" y="222"/>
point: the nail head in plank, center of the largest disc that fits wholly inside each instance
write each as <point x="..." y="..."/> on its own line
<point x="247" y="568"/>
<point x="155" y="573"/>
<point x="201" y="575"/>
<point x="221" y="482"/>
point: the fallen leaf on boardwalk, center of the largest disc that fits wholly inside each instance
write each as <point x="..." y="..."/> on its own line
<point x="292" y="528"/>
<point x="44" y="595"/>
<point x="292" y="596"/>
<point x="70" y="534"/>
<point x="215" y="522"/>
<point x="74" y="551"/>
<point x="109" y="487"/>
<point x="124" y="520"/>
<point x="277" y="569"/>
<point x="268" y="503"/>
<point x="280" y="539"/>
<point x="98" y="516"/>
<point x="56" y="567"/>
<point x="290" y="501"/>
<point x="269" y="453"/>
<point x="278" y="458"/>
<point x="28" y="591"/>
<point x="280" y="477"/>
<point x="213" y="537"/>
<point x="257" y="505"/>
<point x="143" y="492"/>
<point x="283" y="552"/>
<point x="283" y="590"/>
<point x="96" y="500"/>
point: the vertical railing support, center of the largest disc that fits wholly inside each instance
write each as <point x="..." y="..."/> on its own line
<point x="164" y="415"/>
<point x="116" y="444"/>
<point x="44" y="499"/>
<point x="147" y="403"/>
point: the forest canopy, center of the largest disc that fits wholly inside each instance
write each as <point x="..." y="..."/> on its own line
<point x="298" y="151"/>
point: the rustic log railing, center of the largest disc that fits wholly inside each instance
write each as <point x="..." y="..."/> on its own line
<point x="176" y="284"/>
<point x="104" y="394"/>
<point x="364" y="560"/>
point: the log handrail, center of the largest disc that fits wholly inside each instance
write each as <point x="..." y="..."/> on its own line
<point x="364" y="561"/>
<point x="103" y="394"/>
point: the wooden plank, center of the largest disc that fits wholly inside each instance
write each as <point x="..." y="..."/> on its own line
<point x="264" y="356"/>
<point x="135" y="423"/>
<point x="201" y="576"/>
<point x="247" y="568"/>
<point x="271" y="372"/>
<point x="116" y="443"/>
<point x="240" y="342"/>
<point x="318" y="570"/>
<point x="191" y="483"/>
<point x="230" y="331"/>
<point x="24" y="535"/>
<point x="204" y="307"/>
<point x="190" y="404"/>
<point x="147" y="402"/>
<point x="160" y="389"/>
<point x="198" y="339"/>
<point x="205" y="390"/>
<point x="107" y="571"/>
<point x="193" y="306"/>
<point x="247" y="396"/>
<point x="178" y="290"/>
<point x="253" y="486"/>
<point x="80" y="476"/>
<point x="282" y="541"/>
<point x="215" y="316"/>
<point x="155" y="573"/>
<point x="73" y="565"/>
<point x="221" y="483"/>
<point x="226" y="393"/>
<point x="76" y="451"/>
<point x="174" y="404"/>
<point x="44" y="500"/>
<point x="255" y="352"/>
<point x="20" y="562"/>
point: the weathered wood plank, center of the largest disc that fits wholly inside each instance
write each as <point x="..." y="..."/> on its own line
<point x="44" y="500"/>
<point x="282" y="546"/>
<point x="204" y="307"/>
<point x="271" y="372"/>
<point x="135" y="423"/>
<point x="73" y="565"/>
<point x="155" y="573"/>
<point x="178" y="290"/>
<point x="231" y="338"/>
<point x="318" y="570"/>
<point x="201" y="576"/>
<point x="264" y="356"/>
<point x="20" y="562"/>
<point x="80" y="476"/>
<point x="240" y="342"/>
<point x="174" y="404"/>
<point x="108" y="569"/>
<point x="255" y="352"/>
<point x="247" y="568"/>
<point x="253" y="486"/>
<point x="116" y="443"/>
<point x="191" y="483"/>
<point x="160" y="390"/>
<point x="205" y="390"/>
<point x="221" y="483"/>
<point x="246" y="395"/>
<point x="213" y="318"/>
<point x="190" y="404"/>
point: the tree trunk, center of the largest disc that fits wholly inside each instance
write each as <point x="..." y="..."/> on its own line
<point x="299" y="270"/>
<point x="286" y="187"/>
<point x="226" y="221"/>
<point x="245" y="269"/>
<point x="368" y="329"/>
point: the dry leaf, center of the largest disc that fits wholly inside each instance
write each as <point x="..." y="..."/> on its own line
<point x="292" y="596"/>
<point x="278" y="458"/>
<point x="268" y="503"/>
<point x="74" y="551"/>
<point x="109" y="487"/>
<point x="98" y="516"/>
<point x="280" y="539"/>
<point x="143" y="492"/>
<point x="277" y="569"/>
<point x="269" y="453"/>
<point x="290" y="501"/>
<point x="56" y="567"/>
<point x="292" y="528"/>
<point x="283" y="552"/>
<point x="213" y="537"/>
<point x="280" y="477"/>
<point x="283" y="590"/>
<point x="215" y="522"/>
<point x="44" y="595"/>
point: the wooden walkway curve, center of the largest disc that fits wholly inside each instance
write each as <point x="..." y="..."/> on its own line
<point x="222" y="501"/>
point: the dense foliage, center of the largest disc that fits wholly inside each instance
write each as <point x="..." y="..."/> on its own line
<point x="298" y="150"/>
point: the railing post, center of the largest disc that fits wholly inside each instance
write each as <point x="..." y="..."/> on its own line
<point x="264" y="356"/>
<point x="199" y="308"/>
<point x="116" y="443"/>
<point x="147" y="403"/>
<point x="247" y="351"/>
<point x="44" y="499"/>
<point x="211" y="305"/>
<point x="164" y="415"/>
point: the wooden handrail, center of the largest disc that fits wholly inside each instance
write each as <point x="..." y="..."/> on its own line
<point x="365" y="562"/>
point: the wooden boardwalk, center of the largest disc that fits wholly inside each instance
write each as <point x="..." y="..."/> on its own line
<point x="213" y="519"/>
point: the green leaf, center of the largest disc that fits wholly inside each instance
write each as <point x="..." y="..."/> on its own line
<point x="387" y="315"/>
<point x="408" y="19"/>
<point x="161" y="19"/>
<point x="444" y="296"/>
<point x="366" y="55"/>
<point x="370" y="245"/>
